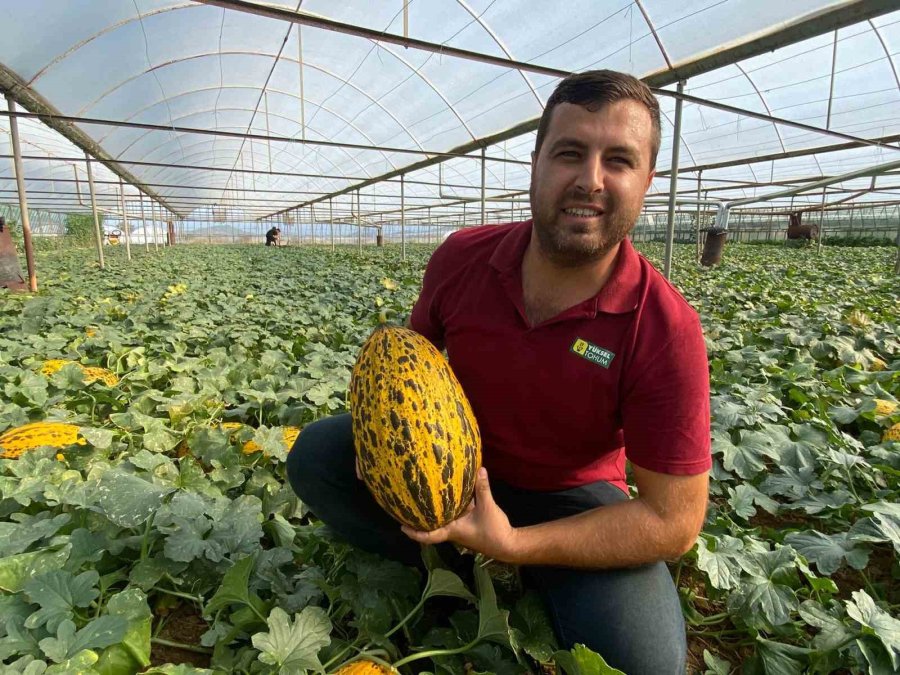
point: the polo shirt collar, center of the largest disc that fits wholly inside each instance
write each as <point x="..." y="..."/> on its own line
<point x="620" y="294"/>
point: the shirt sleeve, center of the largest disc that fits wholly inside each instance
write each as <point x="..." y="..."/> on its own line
<point x="425" y="318"/>
<point x="665" y="413"/>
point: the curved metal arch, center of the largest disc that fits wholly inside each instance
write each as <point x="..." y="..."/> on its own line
<point x="255" y="54"/>
<point x="431" y="86"/>
<point x="887" y="53"/>
<point x="344" y="150"/>
<point x="100" y="33"/>
<point x="765" y="104"/>
<point x="165" y="171"/>
<point x="684" y="142"/>
<point x="216" y="109"/>
<point x="499" y="42"/>
<point x="659" y="44"/>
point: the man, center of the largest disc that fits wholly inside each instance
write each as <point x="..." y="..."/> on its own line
<point x="575" y="354"/>
<point x="273" y="237"/>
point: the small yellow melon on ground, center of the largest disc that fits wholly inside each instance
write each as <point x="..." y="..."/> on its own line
<point x="365" y="668"/>
<point x="17" y="441"/>
<point x="91" y="373"/>
<point x="288" y="435"/>
<point x="892" y="434"/>
<point x="884" y="407"/>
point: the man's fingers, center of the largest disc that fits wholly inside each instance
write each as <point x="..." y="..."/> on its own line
<point x="358" y="473"/>
<point x="435" y="537"/>
<point x="483" y="488"/>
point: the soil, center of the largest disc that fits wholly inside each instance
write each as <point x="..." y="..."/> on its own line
<point x="185" y="625"/>
<point x="883" y="572"/>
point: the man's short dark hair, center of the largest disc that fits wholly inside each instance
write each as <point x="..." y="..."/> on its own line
<point x="594" y="89"/>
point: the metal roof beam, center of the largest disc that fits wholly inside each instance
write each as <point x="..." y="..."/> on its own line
<point x="806" y="26"/>
<point x="49" y="118"/>
<point x="12" y="85"/>
<point x="822" y="149"/>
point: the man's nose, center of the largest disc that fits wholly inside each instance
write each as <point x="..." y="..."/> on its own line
<point x="590" y="177"/>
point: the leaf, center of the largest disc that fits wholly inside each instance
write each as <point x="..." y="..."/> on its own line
<point x="99" y="438"/>
<point x="16" y="570"/>
<point x="101" y="632"/>
<point x="493" y="623"/>
<point x="445" y="582"/>
<point x="18" y="639"/>
<point x="742" y="458"/>
<point x="532" y="628"/>
<point x="759" y="597"/>
<point x="782" y="659"/>
<point x="828" y="552"/>
<point x="582" y="661"/>
<point x="293" y="645"/>
<point x="133" y="651"/>
<point x="720" y="563"/>
<point x="126" y="499"/>
<point x="885" y="627"/>
<point x="716" y="665"/>
<point x="833" y="632"/>
<point x="878" y="528"/>
<point x="78" y="664"/>
<point x="18" y="536"/>
<point x="235" y="589"/>
<point x="58" y="593"/>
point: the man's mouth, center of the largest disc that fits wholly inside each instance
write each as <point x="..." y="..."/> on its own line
<point x="583" y="213"/>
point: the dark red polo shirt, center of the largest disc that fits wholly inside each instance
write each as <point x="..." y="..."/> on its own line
<point x="563" y="403"/>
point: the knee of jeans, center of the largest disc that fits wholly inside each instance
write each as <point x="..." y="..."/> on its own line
<point x="302" y="467"/>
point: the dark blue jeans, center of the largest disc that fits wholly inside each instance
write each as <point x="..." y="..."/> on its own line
<point x="631" y="617"/>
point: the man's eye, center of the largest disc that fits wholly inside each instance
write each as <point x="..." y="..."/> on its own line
<point x="567" y="153"/>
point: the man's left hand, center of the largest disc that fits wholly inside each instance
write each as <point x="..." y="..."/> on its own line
<point x="484" y="526"/>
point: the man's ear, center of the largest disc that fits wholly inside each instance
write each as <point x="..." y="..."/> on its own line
<point x="650" y="178"/>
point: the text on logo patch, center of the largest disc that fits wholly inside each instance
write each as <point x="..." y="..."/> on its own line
<point x="591" y="352"/>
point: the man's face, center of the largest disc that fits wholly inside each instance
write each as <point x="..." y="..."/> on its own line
<point x="589" y="179"/>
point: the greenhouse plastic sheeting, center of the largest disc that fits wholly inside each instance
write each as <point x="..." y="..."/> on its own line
<point x="194" y="65"/>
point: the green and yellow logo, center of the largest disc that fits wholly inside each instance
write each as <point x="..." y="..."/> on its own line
<point x="591" y="352"/>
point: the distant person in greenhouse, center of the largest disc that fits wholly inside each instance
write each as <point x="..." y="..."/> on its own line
<point x="273" y="237"/>
<point x="576" y="355"/>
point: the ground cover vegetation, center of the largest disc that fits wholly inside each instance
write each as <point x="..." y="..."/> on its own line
<point x="165" y="538"/>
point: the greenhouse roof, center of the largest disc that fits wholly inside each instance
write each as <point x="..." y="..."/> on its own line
<point x="232" y="106"/>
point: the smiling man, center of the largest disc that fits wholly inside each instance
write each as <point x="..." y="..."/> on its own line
<point x="576" y="355"/>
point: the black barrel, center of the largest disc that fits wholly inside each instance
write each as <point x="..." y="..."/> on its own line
<point x="714" y="246"/>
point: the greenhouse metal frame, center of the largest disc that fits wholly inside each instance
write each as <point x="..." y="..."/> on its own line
<point x="412" y="119"/>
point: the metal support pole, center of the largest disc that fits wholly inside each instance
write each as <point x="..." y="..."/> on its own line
<point x="156" y="231"/>
<point x="699" y="180"/>
<point x="144" y="226"/>
<point x="23" y="198"/>
<point x="97" y="235"/>
<point x="821" y="224"/>
<point x="331" y="221"/>
<point x="402" y="217"/>
<point x="358" y="225"/>
<point x="673" y="184"/>
<point x="483" y="173"/>
<point x="125" y="220"/>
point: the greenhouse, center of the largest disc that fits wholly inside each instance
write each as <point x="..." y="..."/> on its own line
<point x="159" y="358"/>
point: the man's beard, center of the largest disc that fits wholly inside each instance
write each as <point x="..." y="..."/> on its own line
<point x="567" y="249"/>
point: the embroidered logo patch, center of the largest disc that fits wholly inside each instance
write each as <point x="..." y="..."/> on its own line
<point x="591" y="352"/>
